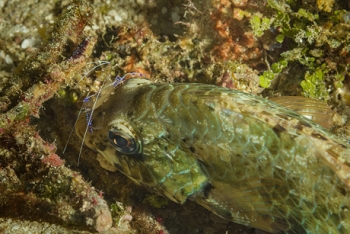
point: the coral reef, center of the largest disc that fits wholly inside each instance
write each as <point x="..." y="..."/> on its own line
<point x="35" y="185"/>
<point x="53" y="54"/>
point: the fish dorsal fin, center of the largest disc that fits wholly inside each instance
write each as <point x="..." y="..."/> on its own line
<point x="255" y="203"/>
<point x="313" y="109"/>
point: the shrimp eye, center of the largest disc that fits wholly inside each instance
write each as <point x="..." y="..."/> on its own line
<point x="123" y="142"/>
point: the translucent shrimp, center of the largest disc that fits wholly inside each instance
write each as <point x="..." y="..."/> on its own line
<point x="91" y="102"/>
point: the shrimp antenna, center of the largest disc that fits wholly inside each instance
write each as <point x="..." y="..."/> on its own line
<point x="89" y="121"/>
<point x="89" y="111"/>
<point x="87" y="73"/>
<point x="71" y="132"/>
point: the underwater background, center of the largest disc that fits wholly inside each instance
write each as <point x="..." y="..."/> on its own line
<point x="55" y="53"/>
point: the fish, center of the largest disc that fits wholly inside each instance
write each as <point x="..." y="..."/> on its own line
<point x="316" y="110"/>
<point x="243" y="157"/>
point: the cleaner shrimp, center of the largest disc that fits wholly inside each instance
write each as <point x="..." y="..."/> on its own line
<point x="93" y="101"/>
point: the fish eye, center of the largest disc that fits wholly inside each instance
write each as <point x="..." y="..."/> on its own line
<point x="123" y="141"/>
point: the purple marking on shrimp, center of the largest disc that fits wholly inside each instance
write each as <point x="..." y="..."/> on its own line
<point x="89" y="122"/>
<point x="118" y="80"/>
<point x="88" y="111"/>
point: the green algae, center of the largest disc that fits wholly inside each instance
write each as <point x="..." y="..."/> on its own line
<point x="312" y="39"/>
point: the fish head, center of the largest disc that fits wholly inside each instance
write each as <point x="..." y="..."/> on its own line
<point x="128" y="134"/>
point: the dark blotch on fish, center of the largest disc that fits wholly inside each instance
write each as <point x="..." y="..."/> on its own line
<point x="207" y="189"/>
<point x="192" y="149"/>
<point x="101" y="146"/>
<point x="283" y="116"/>
<point x="278" y="129"/>
<point x="318" y="136"/>
<point x="301" y="125"/>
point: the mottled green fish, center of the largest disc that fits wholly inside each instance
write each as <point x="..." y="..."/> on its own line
<point x="247" y="159"/>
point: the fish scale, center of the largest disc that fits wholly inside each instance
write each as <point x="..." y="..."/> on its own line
<point x="246" y="159"/>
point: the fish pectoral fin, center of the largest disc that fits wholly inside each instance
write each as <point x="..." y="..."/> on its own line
<point x="251" y="204"/>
